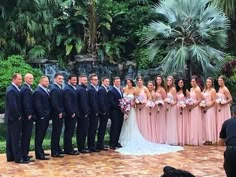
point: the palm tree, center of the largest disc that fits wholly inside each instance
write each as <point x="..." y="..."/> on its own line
<point x="229" y="7"/>
<point x="193" y="32"/>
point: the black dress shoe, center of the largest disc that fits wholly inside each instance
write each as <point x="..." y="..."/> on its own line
<point x="85" y="151"/>
<point x="22" y="161"/>
<point x="42" y="158"/>
<point x="10" y="160"/>
<point x="73" y="153"/>
<point x="30" y="160"/>
<point x="102" y="148"/>
<point x="112" y="147"/>
<point x="62" y="152"/>
<point x="119" y="145"/>
<point x="94" y="150"/>
<point x="57" y="155"/>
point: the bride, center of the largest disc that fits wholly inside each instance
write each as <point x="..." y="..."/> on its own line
<point x="131" y="139"/>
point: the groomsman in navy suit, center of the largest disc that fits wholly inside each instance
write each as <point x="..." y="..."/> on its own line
<point x="42" y="108"/>
<point x="57" y="114"/>
<point x="13" y="116"/>
<point x="72" y="113"/>
<point x="115" y="94"/>
<point x="94" y="110"/>
<point x="28" y="114"/>
<point x="104" y="112"/>
<point x="84" y="112"/>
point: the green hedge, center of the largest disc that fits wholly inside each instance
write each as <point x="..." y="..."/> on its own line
<point x="9" y="66"/>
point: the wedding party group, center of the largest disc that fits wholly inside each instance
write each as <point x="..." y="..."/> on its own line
<point x="145" y="120"/>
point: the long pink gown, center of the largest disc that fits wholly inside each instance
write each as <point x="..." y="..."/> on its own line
<point x="143" y="118"/>
<point x="195" y="123"/>
<point x="222" y="114"/>
<point x="182" y="120"/>
<point x="153" y="122"/>
<point x="209" y="120"/>
<point x="160" y="121"/>
<point x="171" y="124"/>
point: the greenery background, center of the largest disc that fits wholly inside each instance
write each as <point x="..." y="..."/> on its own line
<point x="110" y="30"/>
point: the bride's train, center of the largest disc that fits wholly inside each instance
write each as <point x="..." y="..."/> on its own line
<point x="134" y="143"/>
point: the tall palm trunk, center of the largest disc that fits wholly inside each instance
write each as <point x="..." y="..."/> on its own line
<point x="92" y="26"/>
<point x="188" y="73"/>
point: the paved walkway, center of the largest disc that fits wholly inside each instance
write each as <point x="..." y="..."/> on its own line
<point x="205" y="161"/>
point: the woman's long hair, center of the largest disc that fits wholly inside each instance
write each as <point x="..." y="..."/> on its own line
<point x="162" y="82"/>
<point x="184" y="89"/>
<point x="173" y="83"/>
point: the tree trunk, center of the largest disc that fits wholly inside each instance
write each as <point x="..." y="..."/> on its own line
<point x="189" y="73"/>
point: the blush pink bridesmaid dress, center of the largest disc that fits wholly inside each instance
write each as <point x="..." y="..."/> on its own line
<point x="160" y="121"/>
<point x="143" y="118"/>
<point x="153" y="121"/>
<point x="195" y="123"/>
<point x="222" y="113"/>
<point x="182" y="120"/>
<point x="171" y="124"/>
<point x="209" y="120"/>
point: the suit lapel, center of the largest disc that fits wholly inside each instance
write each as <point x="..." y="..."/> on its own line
<point x="44" y="92"/>
<point x="117" y="92"/>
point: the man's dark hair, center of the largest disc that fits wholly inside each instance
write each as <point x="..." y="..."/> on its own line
<point x="92" y="75"/>
<point x="82" y="75"/>
<point x="115" y="78"/>
<point x="14" y="76"/>
<point x="104" y="78"/>
<point x="57" y="74"/>
<point x="71" y="75"/>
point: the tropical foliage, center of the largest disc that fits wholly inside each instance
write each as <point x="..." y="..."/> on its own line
<point x="11" y="65"/>
<point x="193" y="32"/>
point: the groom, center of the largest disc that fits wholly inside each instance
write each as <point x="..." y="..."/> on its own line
<point x="115" y="94"/>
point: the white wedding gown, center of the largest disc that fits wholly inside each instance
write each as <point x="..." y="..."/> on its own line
<point x="133" y="142"/>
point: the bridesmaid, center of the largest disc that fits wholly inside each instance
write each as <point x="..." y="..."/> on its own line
<point x="182" y="113"/>
<point x="142" y="94"/>
<point x="171" y="117"/>
<point x="161" y="111"/>
<point x="152" y="113"/>
<point x="195" y="115"/>
<point x="224" y="99"/>
<point x="209" y="112"/>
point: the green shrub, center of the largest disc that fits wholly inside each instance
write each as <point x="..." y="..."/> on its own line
<point x="14" y="64"/>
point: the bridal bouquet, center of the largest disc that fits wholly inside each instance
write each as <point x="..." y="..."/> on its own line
<point x="169" y="100"/>
<point x="181" y="105"/>
<point x="203" y="104"/>
<point x="125" y="105"/>
<point x="220" y="101"/>
<point x="151" y="105"/>
<point x="189" y="102"/>
<point x="159" y="104"/>
<point x="139" y="101"/>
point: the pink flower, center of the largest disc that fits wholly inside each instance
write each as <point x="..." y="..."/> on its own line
<point x="125" y="105"/>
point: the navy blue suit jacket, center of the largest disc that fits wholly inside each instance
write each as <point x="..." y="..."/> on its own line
<point x="70" y="101"/>
<point x="13" y="104"/>
<point x="27" y="100"/>
<point x="83" y="101"/>
<point x="56" y="99"/>
<point x="41" y="103"/>
<point x="114" y="97"/>
<point x="103" y="100"/>
<point x="93" y="100"/>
